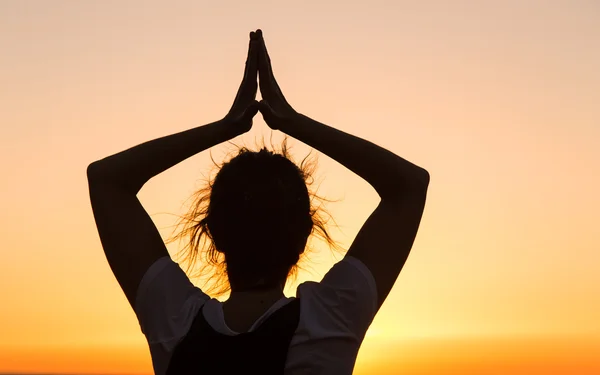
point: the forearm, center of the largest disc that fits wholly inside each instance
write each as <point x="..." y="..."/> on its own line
<point x="133" y="167"/>
<point x="389" y="174"/>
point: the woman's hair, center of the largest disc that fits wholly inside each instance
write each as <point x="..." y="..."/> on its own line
<point x="252" y="220"/>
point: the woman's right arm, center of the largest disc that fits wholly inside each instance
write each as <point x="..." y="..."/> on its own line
<point x="389" y="174"/>
<point x="385" y="240"/>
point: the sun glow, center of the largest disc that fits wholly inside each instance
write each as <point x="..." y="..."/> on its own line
<point x="498" y="101"/>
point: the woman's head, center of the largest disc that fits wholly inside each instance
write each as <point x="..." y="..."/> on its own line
<point x="253" y="220"/>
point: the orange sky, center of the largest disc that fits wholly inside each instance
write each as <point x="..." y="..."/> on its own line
<point x="498" y="100"/>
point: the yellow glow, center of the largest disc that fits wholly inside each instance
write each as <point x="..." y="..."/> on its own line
<point x="498" y="100"/>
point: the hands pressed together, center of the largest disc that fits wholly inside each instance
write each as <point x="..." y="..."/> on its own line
<point x="274" y="108"/>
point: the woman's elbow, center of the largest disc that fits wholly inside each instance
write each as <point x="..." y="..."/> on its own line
<point x="423" y="178"/>
<point x="97" y="171"/>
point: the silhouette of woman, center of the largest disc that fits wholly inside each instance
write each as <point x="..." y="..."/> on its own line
<point x="259" y="217"/>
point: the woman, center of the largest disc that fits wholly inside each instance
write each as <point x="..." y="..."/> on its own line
<point x="259" y="217"/>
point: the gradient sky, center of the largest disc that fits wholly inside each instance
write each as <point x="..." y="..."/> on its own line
<point x="498" y="100"/>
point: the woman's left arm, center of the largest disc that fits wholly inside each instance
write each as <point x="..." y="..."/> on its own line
<point x="132" y="168"/>
<point x="129" y="238"/>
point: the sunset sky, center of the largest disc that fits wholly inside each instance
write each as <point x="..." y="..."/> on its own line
<point x="498" y="100"/>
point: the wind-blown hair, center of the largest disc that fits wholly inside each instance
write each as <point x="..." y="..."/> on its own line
<point x="253" y="220"/>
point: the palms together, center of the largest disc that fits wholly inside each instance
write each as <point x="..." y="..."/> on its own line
<point x="274" y="107"/>
<point x="245" y="105"/>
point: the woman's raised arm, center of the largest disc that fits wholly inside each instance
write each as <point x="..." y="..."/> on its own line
<point x="385" y="240"/>
<point x="129" y="238"/>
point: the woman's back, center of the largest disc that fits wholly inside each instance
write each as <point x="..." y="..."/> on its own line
<point x="333" y="318"/>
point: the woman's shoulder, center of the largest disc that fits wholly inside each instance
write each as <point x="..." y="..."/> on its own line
<point x="167" y="302"/>
<point x="345" y="297"/>
<point x="349" y="275"/>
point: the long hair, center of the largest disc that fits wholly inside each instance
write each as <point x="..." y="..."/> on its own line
<point x="252" y="222"/>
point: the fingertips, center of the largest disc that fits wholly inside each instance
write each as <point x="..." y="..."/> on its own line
<point x="262" y="51"/>
<point x="252" y="58"/>
<point x="261" y="39"/>
<point x="264" y="54"/>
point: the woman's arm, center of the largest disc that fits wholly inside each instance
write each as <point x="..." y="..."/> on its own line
<point x="385" y="240"/>
<point x="132" y="168"/>
<point x="129" y="238"/>
<point x="389" y="174"/>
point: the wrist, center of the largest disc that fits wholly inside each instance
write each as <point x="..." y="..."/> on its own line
<point x="291" y="122"/>
<point x="230" y="128"/>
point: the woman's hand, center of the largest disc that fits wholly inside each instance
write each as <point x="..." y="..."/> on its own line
<point x="274" y="108"/>
<point x="245" y="105"/>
